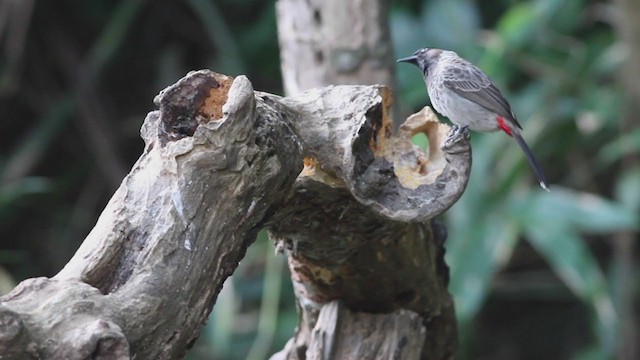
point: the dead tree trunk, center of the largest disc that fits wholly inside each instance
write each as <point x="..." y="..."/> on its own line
<point x="222" y="161"/>
<point x="335" y="42"/>
<point x="380" y="274"/>
<point x="366" y="260"/>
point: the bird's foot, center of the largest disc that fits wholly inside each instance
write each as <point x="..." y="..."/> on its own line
<point x="458" y="138"/>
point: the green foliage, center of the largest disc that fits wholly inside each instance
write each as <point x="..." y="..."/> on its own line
<point x="557" y="73"/>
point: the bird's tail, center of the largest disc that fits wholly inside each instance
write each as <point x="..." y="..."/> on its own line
<point x="532" y="160"/>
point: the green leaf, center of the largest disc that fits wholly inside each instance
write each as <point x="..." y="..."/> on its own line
<point x="474" y="255"/>
<point x="421" y="140"/>
<point x="565" y="20"/>
<point x="627" y="191"/>
<point x="572" y="261"/>
<point x="577" y="211"/>
<point x="269" y="308"/>
<point x="593" y="352"/>
<point x="518" y="24"/>
<point x="13" y="191"/>
<point x="568" y="256"/>
<point x="625" y="144"/>
<point x="219" y="330"/>
<point x="451" y="24"/>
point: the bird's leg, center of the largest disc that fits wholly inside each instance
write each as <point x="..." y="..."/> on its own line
<point x="458" y="137"/>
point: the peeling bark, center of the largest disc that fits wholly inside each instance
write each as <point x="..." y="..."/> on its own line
<point x="144" y="281"/>
<point x="221" y="162"/>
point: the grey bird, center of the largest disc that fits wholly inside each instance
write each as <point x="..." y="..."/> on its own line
<point x="460" y="91"/>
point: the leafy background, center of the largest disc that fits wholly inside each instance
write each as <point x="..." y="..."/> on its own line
<point x="535" y="275"/>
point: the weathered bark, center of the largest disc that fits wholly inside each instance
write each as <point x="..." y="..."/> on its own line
<point x="342" y="334"/>
<point x="358" y="228"/>
<point x="382" y="254"/>
<point x="335" y="42"/>
<point x="142" y="284"/>
<point x="220" y="163"/>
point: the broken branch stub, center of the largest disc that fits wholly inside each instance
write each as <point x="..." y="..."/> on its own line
<point x="216" y="163"/>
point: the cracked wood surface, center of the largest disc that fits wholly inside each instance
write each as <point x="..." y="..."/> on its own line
<point x="358" y="227"/>
<point x="144" y="281"/>
<point x="221" y="162"/>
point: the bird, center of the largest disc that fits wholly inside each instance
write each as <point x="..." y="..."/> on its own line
<point x="462" y="92"/>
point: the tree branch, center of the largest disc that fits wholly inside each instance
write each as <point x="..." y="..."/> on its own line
<point x="144" y="281"/>
<point x="222" y="161"/>
<point x="357" y="227"/>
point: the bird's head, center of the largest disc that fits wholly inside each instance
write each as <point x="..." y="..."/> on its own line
<point x="423" y="58"/>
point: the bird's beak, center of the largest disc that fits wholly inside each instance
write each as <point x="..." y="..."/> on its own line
<point x="409" y="59"/>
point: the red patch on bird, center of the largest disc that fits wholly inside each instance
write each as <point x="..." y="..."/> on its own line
<point x="503" y="125"/>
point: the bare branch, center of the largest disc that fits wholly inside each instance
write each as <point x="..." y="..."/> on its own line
<point x="145" y="279"/>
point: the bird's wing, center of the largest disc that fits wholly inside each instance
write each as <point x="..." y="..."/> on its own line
<point x="471" y="83"/>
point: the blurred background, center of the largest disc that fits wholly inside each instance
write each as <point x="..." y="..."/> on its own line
<point x="535" y="275"/>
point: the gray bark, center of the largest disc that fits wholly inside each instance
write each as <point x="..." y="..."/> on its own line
<point x="326" y="42"/>
<point x="342" y="334"/>
<point x="142" y="284"/>
<point x="383" y="254"/>
<point x="358" y="227"/>
<point x="222" y="161"/>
